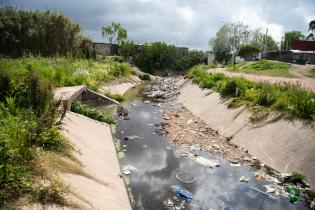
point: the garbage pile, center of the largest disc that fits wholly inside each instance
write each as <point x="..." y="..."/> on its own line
<point x="164" y="88"/>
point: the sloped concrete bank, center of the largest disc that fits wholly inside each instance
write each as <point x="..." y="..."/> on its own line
<point x="95" y="149"/>
<point x="285" y="145"/>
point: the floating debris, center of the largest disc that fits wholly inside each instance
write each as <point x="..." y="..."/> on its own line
<point x="129" y="169"/>
<point x="244" y="179"/>
<point x="181" y="192"/>
<point x="185" y="177"/>
<point x="207" y="162"/>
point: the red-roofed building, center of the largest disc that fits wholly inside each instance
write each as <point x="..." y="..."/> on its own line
<point x="303" y="45"/>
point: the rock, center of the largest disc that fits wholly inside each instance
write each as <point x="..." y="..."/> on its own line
<point x="312" y="205"/>
<point x="165" y="117"/>
<point x="189" y="122"/>
<point x="195" y="147"/>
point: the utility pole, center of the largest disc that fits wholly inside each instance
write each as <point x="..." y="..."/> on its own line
<point x="234" y="45"/>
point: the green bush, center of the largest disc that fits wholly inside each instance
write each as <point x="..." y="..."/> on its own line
<point x="145" y="77"/>
<point x="262" y="65"/>
<point x="288" y="98"/>
<point x="116" y="97"/>
<point x="27" y="122"/>
<point x="79" y="108"/>
<point x="248" y="50"/>
<point x="297" y="177"/>
<point x="62" y="71"/>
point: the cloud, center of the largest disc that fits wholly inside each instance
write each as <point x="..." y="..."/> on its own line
<point x="182" y="22"/>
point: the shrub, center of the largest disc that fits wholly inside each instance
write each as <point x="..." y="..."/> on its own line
<point x="262" y="65"/>
<point x="116" y="97"/>
<point x="248" y="50"/>
<point x="145" y="77"/>
<point x="288" y="98"/>
<point x="297" y="177"/>
<point x="79" y="108"/>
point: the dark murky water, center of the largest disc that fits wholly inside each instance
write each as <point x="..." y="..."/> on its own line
<point x="157" y="166"/>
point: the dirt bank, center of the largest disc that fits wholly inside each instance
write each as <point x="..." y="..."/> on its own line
<point x="95" y="150"/>
<point x="282" y="144"/>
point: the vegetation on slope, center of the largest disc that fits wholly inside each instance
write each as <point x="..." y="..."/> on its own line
<point x="287" y="98"/>
<point x="263" y="67"/>
<point x="67" y="71"/>
<point x="27" y="126"/>
<point x="85" y="110"/>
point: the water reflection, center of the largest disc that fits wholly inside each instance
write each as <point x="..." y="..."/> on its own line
<point x="157" y="167"/>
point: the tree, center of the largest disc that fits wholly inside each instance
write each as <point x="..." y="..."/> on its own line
<point x="311" y="36"/>
<point x="115" y="30"/>
<point x="289" y="37"/>
<point x="248" y="50"/>
<point x="43" y="33"/>
<point x="127" y="48"/>
<point x="231" y="36"/>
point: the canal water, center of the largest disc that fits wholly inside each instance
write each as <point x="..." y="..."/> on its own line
<point x="157" y="164"/>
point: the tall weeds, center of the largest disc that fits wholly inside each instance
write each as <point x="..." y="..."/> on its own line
<point x="288" y="98"/>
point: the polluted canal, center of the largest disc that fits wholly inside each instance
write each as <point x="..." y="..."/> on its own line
<point x="159" y="175"/>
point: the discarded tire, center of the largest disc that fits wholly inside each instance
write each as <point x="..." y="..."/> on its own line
<point x="185" y="177"/>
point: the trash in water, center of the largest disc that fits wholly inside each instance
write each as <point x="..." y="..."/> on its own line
<point x="271" y="196"/>
<point x="185" y="194"/>
<point x="195" y="147"/>
<point x="235" y="164"/>
<point x="285" y="175"/>
<point x="132" y="137"/>
<point x="144" y="146"/>
<point x="147" y="102"/>
<point x="207" y="162"/>
<point x="127" y="170"/>
<point x="185" y="177"/>
<point x="168" y="148"/>
<point x="182" y="192"/>
<point x="244" y="179"/>
<point x="259" y="176"/>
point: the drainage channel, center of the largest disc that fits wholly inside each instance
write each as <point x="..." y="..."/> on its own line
<point x="154" y="169"/>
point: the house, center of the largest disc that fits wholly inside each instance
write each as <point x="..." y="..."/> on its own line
<point x="106" y="48"/>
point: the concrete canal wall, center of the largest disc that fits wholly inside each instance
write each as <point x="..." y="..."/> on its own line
<point x="285" y="145"/>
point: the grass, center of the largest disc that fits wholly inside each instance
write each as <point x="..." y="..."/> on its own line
<point x="85" y="110"/>
<point x="289" y="99"/>
<point x="312" y="73"/>
<point x="32" y="150"/>
<point x="115" y="96"/>
<point x="27" y="125"/>
<point x="263" y="67"/>
<point x="67" y="71"/>
<point x="297" y="177"/>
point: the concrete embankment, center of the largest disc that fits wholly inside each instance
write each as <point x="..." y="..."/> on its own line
<point x="285" y="145"/>
<point x="96" y="151"/>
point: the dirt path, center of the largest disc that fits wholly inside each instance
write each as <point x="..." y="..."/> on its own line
<point x="297" y="70"/>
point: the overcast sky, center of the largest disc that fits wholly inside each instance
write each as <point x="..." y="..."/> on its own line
<point x="188" y="23"/>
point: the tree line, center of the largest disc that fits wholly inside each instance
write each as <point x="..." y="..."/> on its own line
<point x="45" y="33"/>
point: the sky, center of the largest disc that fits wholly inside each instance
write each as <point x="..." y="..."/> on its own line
<point x="189" y="23"/>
